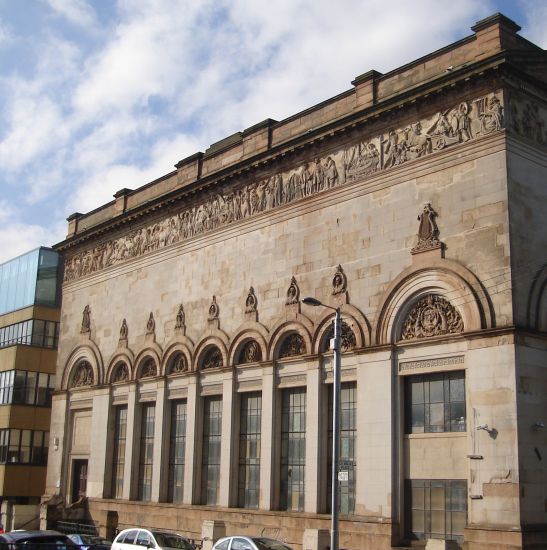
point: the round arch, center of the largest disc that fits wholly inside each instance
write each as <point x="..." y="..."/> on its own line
<point x="205" y="347"/>
<point x="283" y="332"/>
<point x="245" y="334"/>
<point x="86" y="352"/>
<point x="142" y="361"/>
<point x="171" y="354"/>
<point x="127" y="358"/>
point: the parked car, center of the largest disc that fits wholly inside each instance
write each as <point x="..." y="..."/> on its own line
<point x="240" y="542"/>
<point x="37" y="540"/>
<point x="90" y="541"/>
<point x="133" y="539"/>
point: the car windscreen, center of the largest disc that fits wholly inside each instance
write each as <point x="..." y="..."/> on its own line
<point x="269" y="544"/>
<point x="167" y="540"/>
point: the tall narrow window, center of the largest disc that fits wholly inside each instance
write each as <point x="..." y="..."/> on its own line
<point x="210" y="462"/>
<point x="348" y="394"/>
<point x="146" y="451"/>
<point x="249" y="449"/>
<point x="177" y="448"/>
<point x="118" y="462"/>
<point x="293" y="448"/>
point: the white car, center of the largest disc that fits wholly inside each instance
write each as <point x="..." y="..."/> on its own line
<point x="135" y="539"/>
<point x="239" y="542"/>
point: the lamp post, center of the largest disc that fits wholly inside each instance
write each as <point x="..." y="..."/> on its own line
<point x="335" y="346"/>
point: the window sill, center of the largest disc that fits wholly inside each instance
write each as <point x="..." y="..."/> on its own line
<point x="436" y="435"/>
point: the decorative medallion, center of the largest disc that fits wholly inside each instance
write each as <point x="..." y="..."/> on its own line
<point x="181" y="318"/>
<point x="83" y="375"/>
<point x="250" y="353"/>
<point x="150" y="324"/>
<point x="123" y="330"/>
<point x="292" y="346"/>
<point x="178" y="364"/>
<point x="86" y="320"/>
<point x="431" y="316"/>
<point x="213" y="310"/>
<point x="121" y="373"/>
<point x="148" y="368"/>
<point x="251" y="302"/>
<point x="348" y="341"/>
<point x="428" y="232"/>
<point x="339" y="282"/>
<point x="293" y="293"/>
<point x="212" y="359"/>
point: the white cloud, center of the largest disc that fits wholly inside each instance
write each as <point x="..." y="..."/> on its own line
<point x="78" y="12"/>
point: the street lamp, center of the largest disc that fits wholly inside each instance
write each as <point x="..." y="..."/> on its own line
<point x="335" y="346"/>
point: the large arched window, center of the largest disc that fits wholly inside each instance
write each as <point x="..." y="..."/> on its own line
<point x="83" y="374"/>
<point x="250" y="352"/>
<point x="292" y="345"/>
<point x="212" y="358"/>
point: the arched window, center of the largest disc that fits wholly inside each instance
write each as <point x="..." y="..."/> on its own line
<point x="120" y="372"/>
<point x="177" y="363"/>
<point x="250" y="352"/>
<point x="292" y="346"/>
<point x="348" y="341"/>
<point x="212" y="358"/>
<point x="83" y="374"/>
<point x="147" y="368"/>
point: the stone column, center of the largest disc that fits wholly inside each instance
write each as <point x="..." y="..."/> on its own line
<point x="267" y="435"/>
<point x="313" y="438"/>
<point x="192" y="457"/>
<point x="161" y="433"/>
<point x="211" y="531"/>
<point x="100" y="437"/>
<point x="131" y="444"/>
<point x="226" y="453"/>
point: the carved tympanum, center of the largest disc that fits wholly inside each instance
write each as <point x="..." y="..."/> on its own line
<point x="213" y="310"/>
<point x="339" y="281"/>
<point x="292" y="346"/>
<point x="121" y="373"/>
<point x="250" y="352"/>
<point x="148" y="368"/>
<point x="431" y="316"/>
<point x="212" y="359"/>
<point x="428" y="232"/>
<point x="347" y="338"/>
<point x="83" y="375"/>
<point x="293" y="293"/>
<point x="150" y="324"/>
<point x="86" y="320"/>
<point x="177" y="364"/>
<point x="181" y="318"/>
<point x="251" y="302"/>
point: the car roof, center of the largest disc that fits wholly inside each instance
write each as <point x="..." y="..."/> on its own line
<point x="15" y="536"/>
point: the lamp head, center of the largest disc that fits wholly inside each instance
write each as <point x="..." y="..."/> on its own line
<point x="309" y="301"/>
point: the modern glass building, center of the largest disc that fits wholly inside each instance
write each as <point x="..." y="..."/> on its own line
<point x="29" y="331"/>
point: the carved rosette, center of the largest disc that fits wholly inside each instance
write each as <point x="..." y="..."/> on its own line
<point x="148" y="368"/>
<point x="86" y="320"/>
<point x="293" y="345"/>
<point x="121" y="373"/>
<point x="213" y="310"/>
<point x="177" y="364"/>
<point x="212" y="359"/>
<point x="428" y="232"/>
<point x="339" y="282"/>
<point x="431" y="316"/>
<point x="250" y="353"/>
<point x="251" y="302"/>
<point x="293" y="293"/>
<point x="83" y="375"/>
<point x="348" y="341"/>
<point x="181" y="318"/>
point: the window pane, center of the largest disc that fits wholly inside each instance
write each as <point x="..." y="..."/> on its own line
<point x="146" y="451"/>
<point x="177" y="450"/>
<point x="210" y="465"/>
<point x="249" y="449"/>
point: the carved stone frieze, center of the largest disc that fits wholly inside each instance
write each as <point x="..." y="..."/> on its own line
<point x="86" y="320"/>
<point x="212" y="359"/>
<point x="431" y="316"/>
<point x="292" y="346"/>
<point x="528" y="119"/>
<point x="459" y="124"/>
<point x="83" y="376"/>
<point x="428" y="232"/>
<point x="348" y="342"/>
<point x="177" y="364"/>
<point x="250" y="353"/>
<point x="121" y="373"/>
<point x="148" y="368"/>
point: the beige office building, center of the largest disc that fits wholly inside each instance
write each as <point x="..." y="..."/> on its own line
<point x="195" y="387"/>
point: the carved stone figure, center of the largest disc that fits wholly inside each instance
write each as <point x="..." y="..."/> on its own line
<point x="339" y="281"/>
<point x="150" y="324"/>
<point x="148" y="368"/>
<point x="213" y="310"/>
<point x="86" y="320"/>
<point x="212" y="359"/>
<point x="293" y="293"/>
<point x="491" y="117"/>
<point x="292" y="346"/>
<point x="123" y="330"/>
<point x="428" y="232"/>
<point x="251" y="302"/>
<point x="347" y="338"/>
<point x="121" y="373"/>
<point x="431" y="316"/>
<point x="250" y="353"/>
<point x="83" y="375"/>
<point x="178" y="364"/>
<point x="181" y="318"/>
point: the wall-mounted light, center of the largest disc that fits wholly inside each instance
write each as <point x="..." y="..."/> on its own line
<point x="538" y="425"/>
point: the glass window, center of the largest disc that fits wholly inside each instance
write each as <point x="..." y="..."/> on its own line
<point x="37" y="448"/>
<point x="143" y="539"/>
<point x="24" y="454"/>
<point x="249" y="449"/>
<point x="146" y="454"/>
<point x="241" y="544"/>
<point x="4" y="441"/>
<point x="13" y="449"/>
<point x="118" y="463"/>
<point x="129" y="537"/>
<point x="177" y="449"/>
<point x="46" y="279"/>
<point x="30" y="388"/>
<point x="210" y="462"/>
<point x="436" y="508"/>
<point x="435" y="402"/>
<point x="293" y="448"/>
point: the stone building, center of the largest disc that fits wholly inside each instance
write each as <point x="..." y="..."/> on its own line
<point x="194" y="384"/>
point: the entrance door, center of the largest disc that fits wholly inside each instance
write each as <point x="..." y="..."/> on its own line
<point x="79" y="479"/>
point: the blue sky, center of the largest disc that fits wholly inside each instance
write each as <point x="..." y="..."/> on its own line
<point x="97" y="95"/>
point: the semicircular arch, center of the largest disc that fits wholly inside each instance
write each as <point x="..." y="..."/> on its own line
<point x="283" y="331"/>
<point x="85" y="352"/>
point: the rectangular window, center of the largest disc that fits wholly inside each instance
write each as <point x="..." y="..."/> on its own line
<point x="177" y="448"/>
<point x="249" y="449"/>
<point x="13" y="449"/>
<point x="293" y="448"/>
<point x="210" y="462"/>
<point x="348" y="430"/>
<point x="436" y="508"/>
<point x="435" y="402"/>
<point x="146" y="451"/>
<point x="118" y="461"/>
